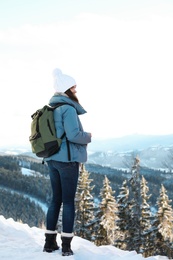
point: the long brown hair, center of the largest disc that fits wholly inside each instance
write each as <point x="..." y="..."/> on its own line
<point x="71" y="95"/>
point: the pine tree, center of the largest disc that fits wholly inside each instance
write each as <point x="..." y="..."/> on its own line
<point x="165" y="215"/>
<point x="84" y="206"/>
<point x="134" y="239"/>
<point x="145" y="221"/>
<point x="164" y="225"/>
<point x="105" y="233"/>
<point x="123" y="216"/>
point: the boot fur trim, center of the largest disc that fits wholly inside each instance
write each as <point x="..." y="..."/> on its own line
<point x="63" y="234"/>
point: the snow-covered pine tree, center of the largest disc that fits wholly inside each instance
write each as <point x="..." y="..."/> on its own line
<point x="164" y="225"/>
<point x="145" y="221"/>
<point x="134" y="240"/>
<point x="165" y="215"/>
<point x="105" y="233"/>
<point x="123" y="216"/>
<point x="84" y="203"/>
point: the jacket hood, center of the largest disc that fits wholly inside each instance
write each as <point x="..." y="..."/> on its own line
<point x="61" y="97"/>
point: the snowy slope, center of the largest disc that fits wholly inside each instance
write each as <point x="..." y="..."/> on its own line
<point x="20" y="242"/>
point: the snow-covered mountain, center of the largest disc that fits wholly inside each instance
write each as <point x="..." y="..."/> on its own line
<point x="19" y="241"/>
<point x="153" y="151"/>
<point x="153" y="157"/>
<point x="130" y="143"/>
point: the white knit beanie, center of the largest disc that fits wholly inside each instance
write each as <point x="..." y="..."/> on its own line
<point x="62" y="82"/>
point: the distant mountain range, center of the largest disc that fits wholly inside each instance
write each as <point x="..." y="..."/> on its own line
<point x="155" y="152"/>
<point x="160" y="158"/>
<point x="130" y="143"/>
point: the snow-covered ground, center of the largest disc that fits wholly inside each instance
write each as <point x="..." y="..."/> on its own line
<point x="20" y="242"/>
<point x="28" y="172"/>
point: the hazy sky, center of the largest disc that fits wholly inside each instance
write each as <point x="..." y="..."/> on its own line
<point x="119" y="52"/>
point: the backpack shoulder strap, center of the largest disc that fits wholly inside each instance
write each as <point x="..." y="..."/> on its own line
<point x="54" y="106"/>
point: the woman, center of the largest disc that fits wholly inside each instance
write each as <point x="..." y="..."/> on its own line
<point x="64" y="165"/>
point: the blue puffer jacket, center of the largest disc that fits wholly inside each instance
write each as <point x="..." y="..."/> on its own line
<point x="67" y="119"/>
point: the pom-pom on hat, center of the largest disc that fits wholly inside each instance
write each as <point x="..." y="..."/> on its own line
<point x="62" y="82"/>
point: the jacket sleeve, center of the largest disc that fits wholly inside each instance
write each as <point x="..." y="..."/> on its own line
<point x="73" y="127"/>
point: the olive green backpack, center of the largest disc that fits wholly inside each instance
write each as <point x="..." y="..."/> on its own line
<point x="43" y="139"/>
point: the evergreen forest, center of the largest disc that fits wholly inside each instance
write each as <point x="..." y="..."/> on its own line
<point x="129" y="210"/>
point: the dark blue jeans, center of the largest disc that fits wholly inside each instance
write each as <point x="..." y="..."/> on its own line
<point x="64" y="178"/>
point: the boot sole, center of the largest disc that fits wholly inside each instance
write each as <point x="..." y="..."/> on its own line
<point x="48" y="250"/>
<point x="67" y="254"/>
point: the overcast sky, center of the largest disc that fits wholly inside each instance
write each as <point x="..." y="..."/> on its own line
<point x="119" y="52"/>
